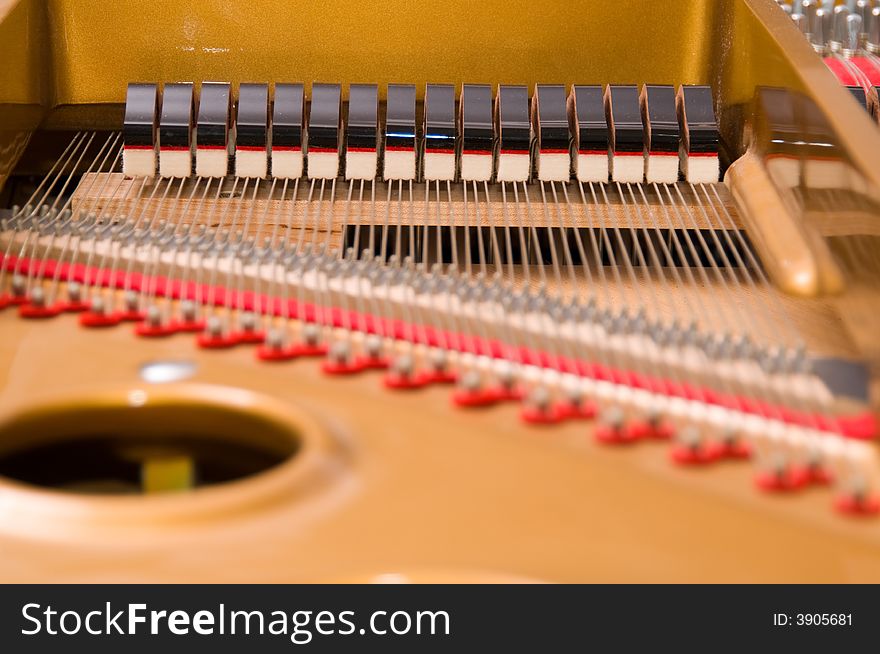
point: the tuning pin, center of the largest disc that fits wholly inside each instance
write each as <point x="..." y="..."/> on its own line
<point x="839" y="28"/>
<point x="863" y="9"/>
<point x="853" y="32"/>
<point x="787" y="9"/>
<point x="874" y="30"/>
<point x="817" y="31"/>
<point x="808" y="10"/>
<point x="827" y="22"/>
<point x="800" y="22"/>
<point x="815" y="19"/>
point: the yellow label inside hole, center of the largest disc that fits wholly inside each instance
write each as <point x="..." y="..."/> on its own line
<point x="167" y="473"/>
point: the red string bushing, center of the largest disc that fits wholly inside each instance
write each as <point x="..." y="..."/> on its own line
<point x="582" y="410"/>
<point x="375" y="363"/>
<point x="857" y="506"/>
<point x="211" y="342"/>
<point x="508" y="394"/>
<point x="188" y="326"/>
<point x="146" y="330"/>
<point x="8" y="300"/>
<point x="92" y="319"/>
<point x="792" y="478"/>
<point x="130" y="316"/>
<point x="74" y="307"/>
<point x="440" y="377"/>
<point x="737" y="450"/>
<point x="248" y="337"/>
<point x="474" y="398"/>
<point x="702" y="454"/>
<point x="639" y="429"/>
<point x="660" y="431"/>
<point x="615" y="434"/>
<point x="396" y="381"/>
<point x="549" y="415"/>
<point x="335" y="367"/>
<point x="38" y="312"/>
<point x="862" y="426"/>
<point x="306" y="350"/>
<point x="820" y="475"/>
<point x="270" y="353"/>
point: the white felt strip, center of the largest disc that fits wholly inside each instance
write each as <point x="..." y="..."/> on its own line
<point x="138" y="163"/>
<point x="476" y="167"/>
<point x="175" y="163"/>
<point x="211" y="162"/>
<point x="554" y="166"/>
<point x="592" y="167"/>
<point x="251" y="163"/>
<point x="627" y="168"/>
<point x="360" y="165"/>
<point x="661" y="168"/>
<point x="400" y="164"/>
<point x="439" y="166"/>
<point x="514" y="167"/>
<point x="323" y="165"/>
<point x="287" y="164"/>
<point x="701" y="169"/>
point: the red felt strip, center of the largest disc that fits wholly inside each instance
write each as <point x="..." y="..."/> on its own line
<point x="861" y="425"/>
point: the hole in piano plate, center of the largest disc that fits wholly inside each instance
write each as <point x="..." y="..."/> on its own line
<point x="139" y="446"/>
<point x="540" y="245"/>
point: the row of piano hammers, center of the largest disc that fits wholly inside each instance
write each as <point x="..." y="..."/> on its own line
<point x="620" y="133"/>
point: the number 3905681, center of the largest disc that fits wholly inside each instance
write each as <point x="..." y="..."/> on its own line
<point x="823" y="619"/>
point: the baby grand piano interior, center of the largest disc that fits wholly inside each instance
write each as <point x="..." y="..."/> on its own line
<point x="512" y="350"/>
